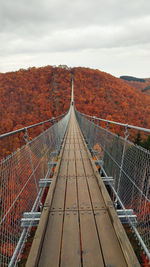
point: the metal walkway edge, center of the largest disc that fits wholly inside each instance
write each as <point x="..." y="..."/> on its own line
<point x="78" y="225"/>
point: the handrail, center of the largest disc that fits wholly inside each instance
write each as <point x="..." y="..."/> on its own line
<point x="117" y="123"/>
<point x="30" y="126"/>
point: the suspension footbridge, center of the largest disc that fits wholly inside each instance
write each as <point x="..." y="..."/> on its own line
<point x="79" y="227"/>
<point x="79" y="223"/>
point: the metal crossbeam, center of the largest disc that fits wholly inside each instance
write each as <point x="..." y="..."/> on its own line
<point x="51" y="164"/>
<point x="94" y="152"/>
<point x="124" y="212"/>
<point x="126" y="215"/>
<point x="30" y="219"/>
<point x="54" y="154"/>
<point x="44" y="183"/>
<point x="108" y="180"/>
<point x="98" y="162"/>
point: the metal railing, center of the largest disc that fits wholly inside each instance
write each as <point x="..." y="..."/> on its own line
<point x="20" y="174"/>
<point x="129" y="165"/>
<point x="30" y="126"/>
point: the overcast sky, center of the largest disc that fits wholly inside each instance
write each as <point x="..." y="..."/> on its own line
<point x="110" y="35"/>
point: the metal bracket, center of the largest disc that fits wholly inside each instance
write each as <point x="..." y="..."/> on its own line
<point x="26" y="136"/>
<point x="54" y="154"/>
<point x="126" y="215"/>
<point x="98" y="162"/>
<point x="92" y="151"/>
<point x="108" y="180"/>
<point x="30" y="219"/>
<point x="44" y="183"/>
<point x="95" y="152"/>
<point x="51" y="164"/>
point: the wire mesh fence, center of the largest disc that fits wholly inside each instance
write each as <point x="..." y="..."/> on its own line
<point x="11" y="141"/>
<point x="19" y="183"/>
<point x="129" y="165"/>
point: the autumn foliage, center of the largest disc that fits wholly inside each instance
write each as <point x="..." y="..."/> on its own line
<point x="98" y="93"/>
<point x="36" y="94"/>
<point x="33" y="95"/>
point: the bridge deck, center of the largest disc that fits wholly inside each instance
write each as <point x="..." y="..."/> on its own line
<point x="78" y="224"/>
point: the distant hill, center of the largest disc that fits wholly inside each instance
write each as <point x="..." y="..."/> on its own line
<point x="142" y="85"/>
<point x="131" y="78"/>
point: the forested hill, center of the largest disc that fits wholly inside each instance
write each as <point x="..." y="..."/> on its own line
<point x="33" y="95"/>
<point x="36" y="94"/>
<point x="101" y="94"/>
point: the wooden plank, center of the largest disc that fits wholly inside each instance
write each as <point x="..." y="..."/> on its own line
<point x="64" y="167"/>
<point x="112" y="252"/>
<point x="76" y="146"/>
<point x="50" y="253"/>
<point x="77" y="153"/>
<point x="59" y="196"/>
<point x="71" y="195"/>
<point x="91" y="252"/>
<point x="66" y="146"/>
<point x="71" y="168"/>
<point x="66" y="152"/>
<point x="71" y="146"/>
<point x="70" y="255"/>
<point x="88" y="167"/>
<point x="82" y="146"/>
<point x="96" y="196"/>
<point x="83" y="194"/>
<point x="81" y="143"/>
<point x="75" y="139"/>
<point x="80" y="168"/>
<point x="84" y="153"/>
<point x="71" y="153"/>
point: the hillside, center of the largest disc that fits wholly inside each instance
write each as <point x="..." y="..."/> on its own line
<point x="142" y="85"/>
<point x="105" y="96"/>
<point x="36" y="94"/>
<point x="33" y="95"/>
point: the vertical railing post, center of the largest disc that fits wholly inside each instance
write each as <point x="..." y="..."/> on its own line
<point x="56" y="134"/>
<point x="81" y="123"/>
<point x="42" y="128"/>
<point x="126" y="134"/>
<point x="91" y="136"/>
<point x="44" y="137"/>
<point x="44" y="146"/>
<point x="106" y="135"/>
<point x="26" y="138"/>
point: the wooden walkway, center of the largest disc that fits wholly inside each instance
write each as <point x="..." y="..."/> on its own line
<point x="79" y="226"/>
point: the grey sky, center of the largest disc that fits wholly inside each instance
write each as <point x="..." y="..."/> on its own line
<point x="110" y="35"/>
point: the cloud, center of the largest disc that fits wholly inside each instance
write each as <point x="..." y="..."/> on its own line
<point x="31" y="29"/>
